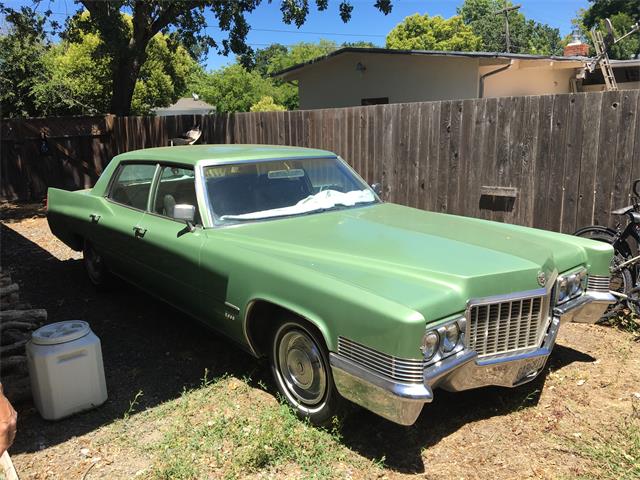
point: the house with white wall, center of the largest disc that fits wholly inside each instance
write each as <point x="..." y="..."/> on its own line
<point x="367" y="76"/>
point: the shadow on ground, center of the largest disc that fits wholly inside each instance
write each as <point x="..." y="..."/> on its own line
<point x="146" y="345"/>
<point x="401" y="447"/>
<point x="150" y="347"/>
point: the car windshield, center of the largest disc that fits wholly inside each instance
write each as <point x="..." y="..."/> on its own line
<point x="251" y="191"/>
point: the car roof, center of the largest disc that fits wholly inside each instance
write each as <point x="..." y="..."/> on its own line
<point x="223" y="153"/>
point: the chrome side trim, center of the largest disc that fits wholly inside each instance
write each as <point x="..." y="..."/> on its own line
<point x="393" y="368"/>
<point x="599" y="283"/>
<point x="232" y="306"/>
<point x="247" y="310"/>
<point x="398" y="402"/>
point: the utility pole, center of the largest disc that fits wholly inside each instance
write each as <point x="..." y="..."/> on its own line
<point x="505" y="11"/>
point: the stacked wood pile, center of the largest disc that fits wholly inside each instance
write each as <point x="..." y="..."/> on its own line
<point x="17" y="322"/>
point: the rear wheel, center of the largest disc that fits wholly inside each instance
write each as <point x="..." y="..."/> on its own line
<point x="300" y="366"/>
<point x="95" y="266"/>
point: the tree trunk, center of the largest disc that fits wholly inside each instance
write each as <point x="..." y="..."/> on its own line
<point x="125" y="75"/>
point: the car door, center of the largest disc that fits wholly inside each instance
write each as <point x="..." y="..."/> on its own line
<point x="112" y="230"/>
<point x="168" y="248"/>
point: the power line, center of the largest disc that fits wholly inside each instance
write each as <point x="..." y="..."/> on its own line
<point x="276" y="30"/>
<point x="300" y="32"/>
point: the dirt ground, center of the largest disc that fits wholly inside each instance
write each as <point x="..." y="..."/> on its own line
<point x="535" y="431"/>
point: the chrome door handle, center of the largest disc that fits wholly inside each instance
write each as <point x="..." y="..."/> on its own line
<point x="94" y="218"/>
<point x="139" y="231"/>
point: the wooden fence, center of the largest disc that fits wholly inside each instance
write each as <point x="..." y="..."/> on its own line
<point x="563" y="161"/>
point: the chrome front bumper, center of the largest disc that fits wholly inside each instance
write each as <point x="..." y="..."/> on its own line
<point x="402" y="402"/>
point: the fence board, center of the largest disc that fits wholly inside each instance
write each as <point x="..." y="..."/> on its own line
<point x="571" y="157"/>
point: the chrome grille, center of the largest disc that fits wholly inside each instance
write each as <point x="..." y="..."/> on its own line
<point x="402" y="370"/>
<point x="598" y="282"/>
<point x="495" y="328"/>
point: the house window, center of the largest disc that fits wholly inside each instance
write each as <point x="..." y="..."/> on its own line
<point x="374" y="101"/>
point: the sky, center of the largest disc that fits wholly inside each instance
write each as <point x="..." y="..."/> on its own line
<point x="367" y="23"/>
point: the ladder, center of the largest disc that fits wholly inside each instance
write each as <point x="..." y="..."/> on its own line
<point x="603" y="59"/>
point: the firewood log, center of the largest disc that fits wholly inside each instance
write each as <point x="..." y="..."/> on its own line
<point x="13" y="348"/>
<point x="5" y="279"/>
<point x="13" y="363"/>
<point x="16" y="388"/>
<point x="9" y="295"/>
<point x="9" y="337"/>
<point x="34" y="316"/>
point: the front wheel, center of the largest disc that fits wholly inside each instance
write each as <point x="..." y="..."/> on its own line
<point x="300" y="367"/>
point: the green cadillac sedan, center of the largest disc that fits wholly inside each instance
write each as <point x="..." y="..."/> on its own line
<point x="289" y="253"/>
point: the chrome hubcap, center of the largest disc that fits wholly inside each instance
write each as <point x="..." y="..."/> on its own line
<point x="302" y="368"/>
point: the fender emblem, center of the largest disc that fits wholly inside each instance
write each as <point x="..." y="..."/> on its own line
<point x="542" y="278"/>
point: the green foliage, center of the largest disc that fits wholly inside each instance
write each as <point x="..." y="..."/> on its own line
<point x="185" y="22"/>
<point x="621" y="20"/>
<point x="78" y="76"/>
<point x="21" y="52"/>
<point x="422" y="32"/>
<point x="74" y="76"/>
<point x="266" y="104"/>
<point x="76" y="81"/>
<point x="234" y="88"/>
<point x="601" y="9"/>
<point x="526" y="36"/>
<point x="243" y="85"/>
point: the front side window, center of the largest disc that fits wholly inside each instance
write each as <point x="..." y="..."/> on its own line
<point x="175" y="186"/>
<point x="254" y="191"/>
<point x="132" y="184"/>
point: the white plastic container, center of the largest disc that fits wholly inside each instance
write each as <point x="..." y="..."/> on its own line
<point x="66" y="370"/>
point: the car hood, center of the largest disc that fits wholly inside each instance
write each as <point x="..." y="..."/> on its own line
<point x="429" y="261"/>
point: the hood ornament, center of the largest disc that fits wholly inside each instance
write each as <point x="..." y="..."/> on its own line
<point x="542" y="278"/>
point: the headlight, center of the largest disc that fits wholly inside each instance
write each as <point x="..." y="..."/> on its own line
<point x="571" y="286"/>
<point x="451" y="337"/>
<point x="563" y="290"/>
<point x="430" y="343"/>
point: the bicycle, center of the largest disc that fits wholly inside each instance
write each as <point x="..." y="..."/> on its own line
<point x="625" y="266"/>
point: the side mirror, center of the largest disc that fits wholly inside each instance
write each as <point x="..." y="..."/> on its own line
<point x="185" y="212"/>
<point x="377" y="188"/>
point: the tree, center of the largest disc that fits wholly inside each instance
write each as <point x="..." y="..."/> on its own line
<point x="526" y="36"/>
<point x="185" y="21"/>
<point x="623" y="15"/>
<point x="276" y="57"/>
<point x="266" y="104"/>
<point x="21" y="52"/>
<point x="601" y="9"/>
<point x="77" y="77"/>
<point x="234" y="88"/>
<point x="422" y="32"/>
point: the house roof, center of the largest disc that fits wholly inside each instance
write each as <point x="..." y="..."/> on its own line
<point x="440" y="53"/>
<point x="185" y="105"/>
<point x="224" y="153"/>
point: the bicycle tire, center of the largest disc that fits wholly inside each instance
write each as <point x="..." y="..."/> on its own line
<point x="622" y="282"/>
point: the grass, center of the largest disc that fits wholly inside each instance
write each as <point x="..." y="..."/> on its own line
<point x="627" y="322"/>
<point x="226" y="429"/>
<point x="615" y="456"/>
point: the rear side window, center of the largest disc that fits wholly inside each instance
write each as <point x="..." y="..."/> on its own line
<point x="132" y="185"/>
<point x="176" y="186"/>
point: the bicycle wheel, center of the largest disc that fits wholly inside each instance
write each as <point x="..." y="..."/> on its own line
<point x="621" y="281"/>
